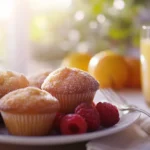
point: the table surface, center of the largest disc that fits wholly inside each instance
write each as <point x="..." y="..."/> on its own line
<point x="77" y="146"/>
<point x="133" y="97"/>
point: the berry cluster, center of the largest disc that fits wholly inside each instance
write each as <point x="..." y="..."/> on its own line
<point x="87" y="118"/>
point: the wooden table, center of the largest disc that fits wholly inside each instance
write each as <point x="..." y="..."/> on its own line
<point x="77" y="146"/>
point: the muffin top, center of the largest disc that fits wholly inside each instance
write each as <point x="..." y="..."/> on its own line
<point x="37" y="80"/>
<point x="10" y="81"/>
<point x="29" y="100"/>
<point x="69" y="81"/>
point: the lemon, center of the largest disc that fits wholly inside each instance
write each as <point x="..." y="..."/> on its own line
<point x="109" y="68"/>
<point x="77" y="60"/>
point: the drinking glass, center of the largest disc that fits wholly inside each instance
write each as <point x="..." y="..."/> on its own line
<point x="145" y="62"/>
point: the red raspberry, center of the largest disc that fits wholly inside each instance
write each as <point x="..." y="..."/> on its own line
<point x="93" y="104"/>
<point x="90" y="114"/>
<point x="57" y="120"/>
<point x="83" y="105"/>
<point x="109" y="114"/>
<point x="73" y="124"/>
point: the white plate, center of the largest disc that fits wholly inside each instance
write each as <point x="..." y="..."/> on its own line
<point x="125" y="121"/>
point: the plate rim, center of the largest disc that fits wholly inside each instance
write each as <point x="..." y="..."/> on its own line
<point x="63" y="139"/>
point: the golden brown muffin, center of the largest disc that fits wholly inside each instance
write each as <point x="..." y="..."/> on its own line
<point x="37" y="80"/>
<point x="10" y="81"/>
<point x="29" y="111"/>
<point x="71" y="87"/>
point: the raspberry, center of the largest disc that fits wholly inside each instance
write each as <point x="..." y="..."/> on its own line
<point x="57" y="120"/>
<point x="73" y="124"/>
<point x="93" y="104"/>
<point x="90" y="114"/>
<point x="108" y="113"/>
<point x="83" y="105"/>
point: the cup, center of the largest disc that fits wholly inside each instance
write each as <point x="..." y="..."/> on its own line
<point x="145" y="62"/>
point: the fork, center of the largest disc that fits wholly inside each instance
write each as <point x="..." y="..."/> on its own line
<point x="120" y="102"/>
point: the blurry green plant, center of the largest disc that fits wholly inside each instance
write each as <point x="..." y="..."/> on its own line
<point x="101" y="24"/>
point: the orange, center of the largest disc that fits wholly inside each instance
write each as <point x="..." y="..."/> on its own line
<point x="134" y="79"/>
<point x="77" y="60"/>
<point x="110" y="69"/>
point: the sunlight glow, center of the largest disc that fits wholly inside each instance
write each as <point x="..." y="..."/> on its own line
<point x="101" y="18"/>
<point x="79" y="15"/>
<point x="51" y="4"/>
<point x="119" y="4"/>
<point x="142" y="59"/>
<point x="5" y="9"/>
<point x="93" y="62"/>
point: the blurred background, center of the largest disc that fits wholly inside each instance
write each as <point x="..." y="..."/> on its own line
<point x="37" y="34"/>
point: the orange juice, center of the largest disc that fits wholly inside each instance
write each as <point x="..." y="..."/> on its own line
<point x="145" y="68"/>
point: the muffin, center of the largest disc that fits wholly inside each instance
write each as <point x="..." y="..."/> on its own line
<point x="36" y="80"/>
<point x="29" y="111"/>
<point x="71" y="87"/>
<point x="10" y="81"/>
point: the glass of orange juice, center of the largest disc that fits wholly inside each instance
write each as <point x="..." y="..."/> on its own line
<point x="145" y="62"/>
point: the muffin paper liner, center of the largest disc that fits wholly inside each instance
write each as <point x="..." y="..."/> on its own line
<point x="68" y="102"/>
<point x="28" y="124"/>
